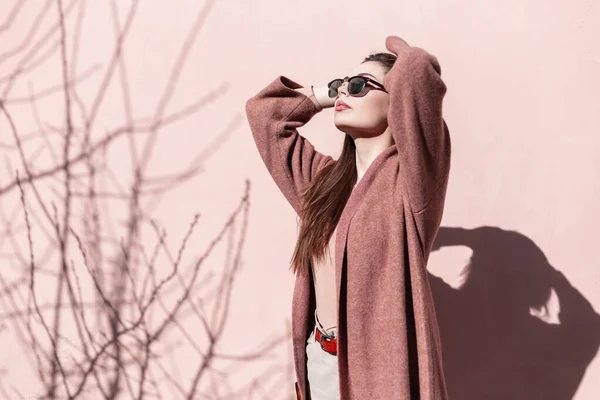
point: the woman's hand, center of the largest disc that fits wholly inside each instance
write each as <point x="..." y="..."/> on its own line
<point x="409" y="65"/>
<point x="321" y="94"/>
<point x="396" y="45"/>
<point x="401" y="49"/>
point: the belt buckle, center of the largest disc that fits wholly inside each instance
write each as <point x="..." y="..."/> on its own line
<point x="322" y="338"/>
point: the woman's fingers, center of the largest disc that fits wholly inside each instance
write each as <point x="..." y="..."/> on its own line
<point x="395" y="44"/>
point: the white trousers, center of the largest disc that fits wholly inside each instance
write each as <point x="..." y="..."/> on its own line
<point x="322" y="367"/>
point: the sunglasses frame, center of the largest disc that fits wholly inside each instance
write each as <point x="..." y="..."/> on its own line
<point x="376" y="85"/>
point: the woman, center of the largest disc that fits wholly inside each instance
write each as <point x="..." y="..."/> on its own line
<point x="367" y="224"/>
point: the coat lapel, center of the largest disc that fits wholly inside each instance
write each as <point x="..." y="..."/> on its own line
<point x="352" y="205"/>
<point x="356" y="198"/>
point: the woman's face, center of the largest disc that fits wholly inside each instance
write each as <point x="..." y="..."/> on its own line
<point x="367" y="116"/>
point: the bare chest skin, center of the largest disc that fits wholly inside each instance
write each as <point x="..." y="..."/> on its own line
<point x="324" y="280"/>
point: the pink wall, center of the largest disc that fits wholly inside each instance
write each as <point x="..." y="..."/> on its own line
<point x="523" y="110"/>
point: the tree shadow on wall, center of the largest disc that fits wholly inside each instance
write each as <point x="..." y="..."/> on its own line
<point x="493" y="347"/>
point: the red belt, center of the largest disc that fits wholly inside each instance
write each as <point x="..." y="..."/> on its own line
<point x="328" y="344"/>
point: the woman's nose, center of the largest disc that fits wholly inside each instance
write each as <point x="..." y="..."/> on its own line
<point x="343" y="89"/>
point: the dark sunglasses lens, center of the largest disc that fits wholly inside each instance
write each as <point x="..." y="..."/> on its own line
<point x="334" y="86"/>
<point x="356" y="85"/>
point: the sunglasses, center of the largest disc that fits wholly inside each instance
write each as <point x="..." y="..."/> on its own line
<point x="356" y="85"/>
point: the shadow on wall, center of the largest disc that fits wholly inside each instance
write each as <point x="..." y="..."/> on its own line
<point x="493" y="347"/>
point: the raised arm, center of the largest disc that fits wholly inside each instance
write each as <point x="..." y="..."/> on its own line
<point x="274" y="115"/>
<point x="415" y="120"/>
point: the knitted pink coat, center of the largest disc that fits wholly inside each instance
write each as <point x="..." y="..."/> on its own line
<point x="388" y="339"/>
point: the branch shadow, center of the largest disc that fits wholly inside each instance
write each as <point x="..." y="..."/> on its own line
<point x="493" y="347"/>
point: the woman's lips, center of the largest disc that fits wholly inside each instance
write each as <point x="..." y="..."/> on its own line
<point x="341" y="106"/>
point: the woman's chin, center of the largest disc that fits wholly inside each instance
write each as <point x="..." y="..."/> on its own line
<point x="342" y="122"/>
<point x="344" y="127"/>
<point x="347" y="125"/>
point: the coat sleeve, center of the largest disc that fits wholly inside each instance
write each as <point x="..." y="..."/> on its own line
<point x="415" y="119"/>
<point x="274" y="115"/>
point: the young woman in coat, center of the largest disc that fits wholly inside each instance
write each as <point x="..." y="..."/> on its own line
<point x="363" y="319"/>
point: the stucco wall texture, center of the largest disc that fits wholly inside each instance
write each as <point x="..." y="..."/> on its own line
<point x="143" y="102"/>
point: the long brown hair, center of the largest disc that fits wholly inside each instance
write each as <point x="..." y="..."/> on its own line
<point x="325" y="198"/>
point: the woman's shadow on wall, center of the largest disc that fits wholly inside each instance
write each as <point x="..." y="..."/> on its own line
<point x="493" y="347"/>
